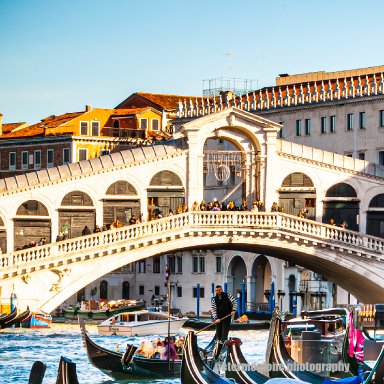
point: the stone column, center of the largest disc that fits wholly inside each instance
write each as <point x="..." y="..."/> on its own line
<point x="10" y="228"/>
<point x="251" y="291"/>
<point x="270" y="194"/>
<point x="195" y="180"/>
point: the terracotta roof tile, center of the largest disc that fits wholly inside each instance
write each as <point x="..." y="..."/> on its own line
<point x="166" y="101"/>
<point x="38" y="129"/>
<point x="9" y="127"/>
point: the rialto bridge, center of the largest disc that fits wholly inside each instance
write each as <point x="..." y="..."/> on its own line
<point x="99" y="190"/>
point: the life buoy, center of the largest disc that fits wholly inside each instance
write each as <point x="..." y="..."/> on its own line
<point x="90" y="314"/>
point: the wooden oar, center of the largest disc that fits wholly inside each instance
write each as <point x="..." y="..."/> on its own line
<point x="210" y="325"/>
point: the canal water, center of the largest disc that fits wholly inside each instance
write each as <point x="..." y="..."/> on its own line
<point x="20" y="348"/>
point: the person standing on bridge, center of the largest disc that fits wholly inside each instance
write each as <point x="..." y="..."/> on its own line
<point x="222" y="305"/>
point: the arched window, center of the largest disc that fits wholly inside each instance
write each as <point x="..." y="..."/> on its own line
<point x="116" y="124"/>
<point x="341" y="190"/>
<point x="377" y="201"/>
<point x="104" y="290"/>
<point x="126" y="290"/>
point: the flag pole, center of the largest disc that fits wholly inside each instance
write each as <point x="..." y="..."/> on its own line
<point x="169" y="314"/>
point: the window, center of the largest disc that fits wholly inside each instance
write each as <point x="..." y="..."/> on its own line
<point x="332" y="124"/>
<point x="382" y="118"/>
<point x="157" y="290"/>
<point x="12" y="161"/>
<point x="95" y="128"/>
<point x="362" y="120"/>
<point x="37" y="159"/>
<point x="66" y="155"/>
<point x="143" y="124"/>
<point x="155" y="124"/>
<point x="381" y="157"/>
<point x="298" y="127"/>
<point x="349" y="121"/>
<point x="84" y="128"/>
<point x="361" y="155"/>
<point x="281" y="132"/>
<point x="141" y="264"/>
<point x="323" y="125"/>
<point x="24" y="160"/>
<point x="175" y="264"/>
<point x="202" y="264"/>
<point x="179" y="264"/>
<point x="156" y="265"/>
<point x="141" y="289"/>
<point x="201" y="292"/>
<point x="348" y="154"/>
<point x="83" y="154"/>
<point x="50" y="158"/>
<point x="179" y="291"/>
<point x="307" y="127"/>
<point x="218" y="264"/>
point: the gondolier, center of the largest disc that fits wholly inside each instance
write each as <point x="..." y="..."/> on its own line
<point x="222" y="305"/>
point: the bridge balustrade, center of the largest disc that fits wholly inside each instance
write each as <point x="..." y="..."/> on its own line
<point x="163" y="229"/>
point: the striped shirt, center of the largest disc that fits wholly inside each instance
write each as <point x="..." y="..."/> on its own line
<point x="214" y="309"/>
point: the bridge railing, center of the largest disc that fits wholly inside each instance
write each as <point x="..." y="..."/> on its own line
<point x="199" y="221"/>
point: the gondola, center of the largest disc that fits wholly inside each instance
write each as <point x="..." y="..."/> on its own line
<point x="37" y="373"/>
<point x="17" y="320"/>
<point x="109" y="362"/>
<point x="6" y="318"/>
<point x="128" y="365"/>
<point x="193" y="369"/>
<point x="67" y="372"/>
<point x="235" y="360"/>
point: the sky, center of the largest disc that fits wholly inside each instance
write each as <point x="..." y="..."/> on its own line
<point x="57" y="56"/>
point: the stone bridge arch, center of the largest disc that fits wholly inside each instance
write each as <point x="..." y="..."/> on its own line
<point x="77" y="210"/>
<point x="341" y="203"/>
<point x="165" y="192"/>
<point x="31" y="223"/>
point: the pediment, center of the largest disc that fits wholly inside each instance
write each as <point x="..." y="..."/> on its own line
<point x="231" y="117"/>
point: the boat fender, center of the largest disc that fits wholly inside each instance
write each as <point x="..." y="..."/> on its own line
<point x="108" y="314"/>
<point x="90" y="314"/>
<point x="75" y="312"/>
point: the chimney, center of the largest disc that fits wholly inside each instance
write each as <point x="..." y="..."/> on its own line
<point x="88" y="108"/>
<point x="1" y="124"/>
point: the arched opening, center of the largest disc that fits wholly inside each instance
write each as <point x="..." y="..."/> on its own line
<point x="341" y="204"/>
<point x="80" y="295"/>
<point x="237" y="273"/>
<point x="165" y="192"/>
<point x="298" y="192"/>
<point x="104" y="290"/>
<point x="76" y="211"/>
<point x="126" y="290"/>
<point x="375" y="216"/>
<point x="262" y="275"/>
<point x="120" y="203"/>
<point x="223" y="171"/>
<point x="31" y="223"/>
<point x="292" y="292"/>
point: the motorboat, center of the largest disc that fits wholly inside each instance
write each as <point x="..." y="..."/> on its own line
<point x="141" y="323"/>
<point x="102" y="310"/>
<point x="37" y="320"/>
<point x="317" y="338"/>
